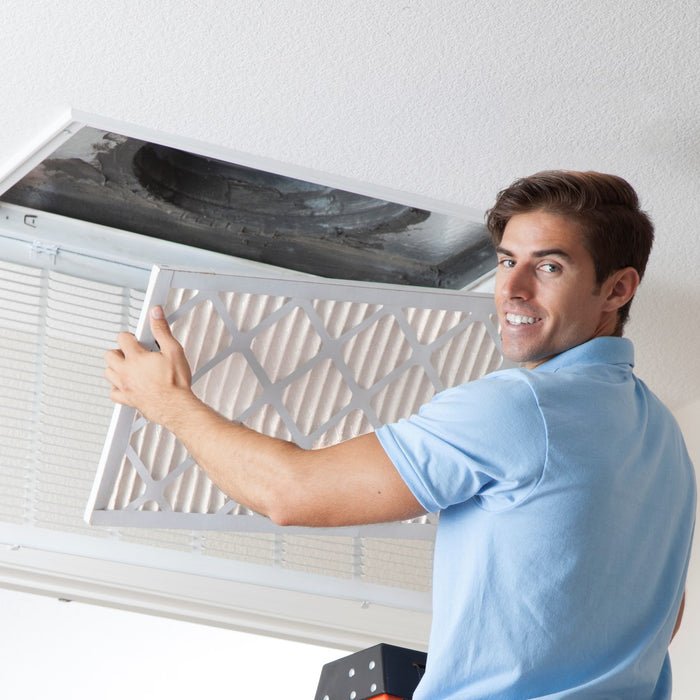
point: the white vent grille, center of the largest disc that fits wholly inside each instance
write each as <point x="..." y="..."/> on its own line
<point x="315" y="362"/>
<point x="53" y="331"/>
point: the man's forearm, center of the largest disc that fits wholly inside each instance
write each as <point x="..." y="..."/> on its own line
<point x="258" y="471"/>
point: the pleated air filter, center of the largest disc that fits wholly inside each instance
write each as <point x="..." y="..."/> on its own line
<point x="312" y="361"/>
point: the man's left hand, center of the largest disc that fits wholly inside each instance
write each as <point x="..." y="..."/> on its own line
<point x="150" y="382"/>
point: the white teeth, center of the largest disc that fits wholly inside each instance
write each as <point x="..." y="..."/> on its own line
<point x="517" y="320"/>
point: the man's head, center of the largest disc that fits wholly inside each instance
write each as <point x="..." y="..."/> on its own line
<point x="616" y="232"/>
<point x="589" y="220"/>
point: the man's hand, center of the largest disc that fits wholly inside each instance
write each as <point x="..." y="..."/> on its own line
<point x="150" y="382"/>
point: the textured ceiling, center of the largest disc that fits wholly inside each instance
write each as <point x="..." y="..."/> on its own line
<point x="448" y="100"/>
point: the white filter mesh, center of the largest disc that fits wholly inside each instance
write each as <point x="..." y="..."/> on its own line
<point x="312" y="362"/>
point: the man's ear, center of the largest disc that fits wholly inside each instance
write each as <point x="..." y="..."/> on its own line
<point x="620" y="287"/>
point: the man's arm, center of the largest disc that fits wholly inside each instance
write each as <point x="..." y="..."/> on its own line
<point x="351" y="483"/>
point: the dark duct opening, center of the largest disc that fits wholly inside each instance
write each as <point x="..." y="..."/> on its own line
<point x="162" y="192"/>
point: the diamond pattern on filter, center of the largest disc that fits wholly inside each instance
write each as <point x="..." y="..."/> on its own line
<point x="339" y="317"/>
<point x="375" y="350"/>
<point x="302" y="343"/>
<point x="313" y="362"/>
<point x="429" y="325"/>
<point x="323" y="380"/>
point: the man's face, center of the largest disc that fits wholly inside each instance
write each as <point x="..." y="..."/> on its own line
<point x="546" y="293"/>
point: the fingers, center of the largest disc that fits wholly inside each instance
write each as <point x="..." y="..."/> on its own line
<point x="169" y="345"/>
<point x="117" y="392"/>
<point x="116" y="395"/>
<point x="161" y="331"/>
<point x="161" y="334"/>
<point x="113" y="377"/>
<point x="128" y="344"/>
<point x="113" y="357"/>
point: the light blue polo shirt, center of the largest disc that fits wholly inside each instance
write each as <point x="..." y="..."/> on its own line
<point x="567" y="502"/>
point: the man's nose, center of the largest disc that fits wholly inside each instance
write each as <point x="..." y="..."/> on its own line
<point x="516" y="283"/>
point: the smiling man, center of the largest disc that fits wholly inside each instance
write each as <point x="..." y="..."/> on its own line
<point x="566" y="495"/>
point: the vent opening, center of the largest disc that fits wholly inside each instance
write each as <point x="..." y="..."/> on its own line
<point x="155" y="190"/>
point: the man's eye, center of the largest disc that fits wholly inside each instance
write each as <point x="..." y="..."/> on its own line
<point x="550" y="267"/>
<point x="507" y="263"/>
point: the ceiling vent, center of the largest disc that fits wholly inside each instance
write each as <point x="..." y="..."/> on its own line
<point x="84" y="217"/>
<point x="254" y="213"/>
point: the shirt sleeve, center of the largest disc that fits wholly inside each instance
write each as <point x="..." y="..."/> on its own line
<point x="485" y="440"/>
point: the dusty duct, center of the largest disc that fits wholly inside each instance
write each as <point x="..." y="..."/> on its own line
<point x="162" y="192"/>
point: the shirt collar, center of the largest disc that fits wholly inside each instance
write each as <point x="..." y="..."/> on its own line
<point x="603" y="350"/>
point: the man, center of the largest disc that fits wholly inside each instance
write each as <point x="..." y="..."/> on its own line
<point x="565" y="492"/>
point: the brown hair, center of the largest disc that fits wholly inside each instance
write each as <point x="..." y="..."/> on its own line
<point x="616" y="232"/>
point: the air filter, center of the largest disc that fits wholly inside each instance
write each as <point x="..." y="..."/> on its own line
<point x="308" y="360"/>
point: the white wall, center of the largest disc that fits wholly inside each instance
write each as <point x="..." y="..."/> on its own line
<point x="72" y="651"/>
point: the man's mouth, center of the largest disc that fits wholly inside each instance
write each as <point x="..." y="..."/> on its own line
<point x="520" y="320"/>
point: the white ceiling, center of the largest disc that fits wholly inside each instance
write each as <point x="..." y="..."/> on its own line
<point x="450" y="100"/>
